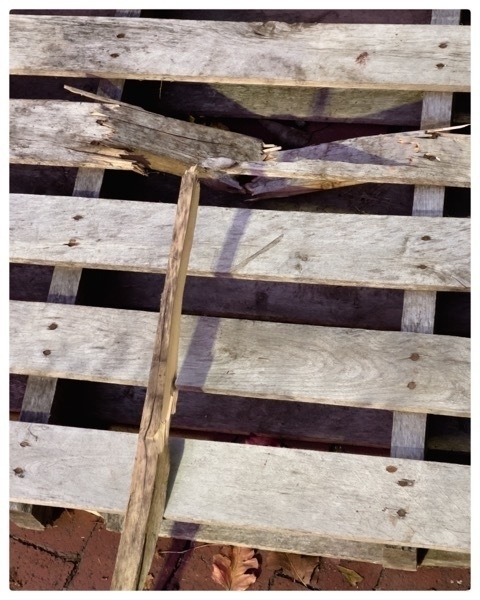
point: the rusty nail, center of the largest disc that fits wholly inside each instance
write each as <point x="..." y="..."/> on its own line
<point x="426" y="237"/>
<point x="402" y="513"/>
<point x="19" y="472"/>
<point x="391" y="469"/>
<point x="52" y="326"/>
<point x="415" y="356"/>
<point x="47" y="352"/>
<point x="412" y="385"/>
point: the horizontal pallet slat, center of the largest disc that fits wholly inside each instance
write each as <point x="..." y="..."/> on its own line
<point x="119" y="136"/>
<point x="411" y="57"/>
<point x="350" y="497"/>
<point x="347" y="367"/>
<point x="390" y="251"/>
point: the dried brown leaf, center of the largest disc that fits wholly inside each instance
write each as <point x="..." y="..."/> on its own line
<point x="351" y="576"/>
<point x="297" y="566"/>
<point x="231" y="571"/>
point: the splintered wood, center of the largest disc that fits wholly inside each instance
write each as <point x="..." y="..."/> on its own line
<point x="150" y="473"/>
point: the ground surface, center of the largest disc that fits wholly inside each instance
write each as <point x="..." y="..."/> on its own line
<point x="78" y="553"/>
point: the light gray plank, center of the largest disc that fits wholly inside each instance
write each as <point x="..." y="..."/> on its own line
<point x="116" y="136"/>
<point x="345" y="367"/>
<point x="272" y="53"/>
<point x="346" y="497"/>
<point x="390" y="251"/>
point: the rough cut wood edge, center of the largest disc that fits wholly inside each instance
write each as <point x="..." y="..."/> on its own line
<point x="328" y="105"/>
<point x="319" y="55"/>
<point x="148" y="487"/>
<point x="298" y="491"/>
<point x="117" y="136"/>
<point x="394" y="252"/>
<point x="40" y="391"/>
<point x="326" y="365"/>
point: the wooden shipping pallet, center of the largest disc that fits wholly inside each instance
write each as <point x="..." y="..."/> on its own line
<point x="374" y="508"/>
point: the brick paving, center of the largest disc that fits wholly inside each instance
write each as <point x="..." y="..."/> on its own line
<point x="78" y="553"/>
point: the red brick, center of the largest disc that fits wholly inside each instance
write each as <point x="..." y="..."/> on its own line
<point x="95" y="569"/>
<point x="34" y="569"/>
<point x="426" y="578"/>
<point x="328" y="576"/>
<point x="68" y="534"/>
<point x="195" y="569"/>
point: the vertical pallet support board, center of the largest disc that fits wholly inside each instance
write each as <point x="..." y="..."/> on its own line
<point x="309" y="501"/>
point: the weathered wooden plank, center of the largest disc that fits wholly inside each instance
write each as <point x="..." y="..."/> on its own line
<point x="333" y="495"/>
<point x="415" y="157"/>
<point x="411" y="57"/>
<point x="116" y="136"/>
<point x="148" y="488"/>
<point x="291" y="103"/>
<point x="408" y="432"/>
<point x="390" y="251"/>
<point x="345" y="367"/>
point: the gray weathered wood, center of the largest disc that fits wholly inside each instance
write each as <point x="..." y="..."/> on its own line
<point x="408" y="433"/>
<point x="345" y="367"/>
<point x="390" y="251"/>
<point x="332" y="495"/>
<point x="318" y="55"/>
<point x="310" y="104"/>
<point x="416" y="157"/>
<point x="148" y="488"/>
<point x="116" y="136"/>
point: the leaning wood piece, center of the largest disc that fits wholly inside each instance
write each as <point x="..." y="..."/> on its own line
<point x="435" y="158"/>
<point x="40" y="391"/>
<point x="333" y="495"/>
<point x="388" y="370"/>
<point x="116" y="136"/>
<point x="407" y="253"/>
<point x="150" y="474"/>
<point x="408" y="57"/>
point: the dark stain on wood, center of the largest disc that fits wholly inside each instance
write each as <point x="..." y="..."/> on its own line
<point x="362" y="58"/>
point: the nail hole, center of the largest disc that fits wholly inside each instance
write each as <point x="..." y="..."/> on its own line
<point x="443" y="45"/>
<point x="425" y="238"/>
<point x="402" y="513"/>
<point x="406" y="482"/>
<point x="19" y="472"/>
<point x="391" y="469"/>
<point x="114" y="55"/>
<point x="47" y="352"/>
<point x="422" y="267"/>
<point x="52" y="326"/>
<point x="439" y="65"/>
<point x="72" y="242"/>
<point x="77" y="217"/>
<point x="24" y="444"/>
<point x="414" y="356"/>
<point x="412" y="385"/>
<point x="122" y="35"/>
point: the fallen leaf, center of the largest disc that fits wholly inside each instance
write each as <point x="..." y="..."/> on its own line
<point x="230" y="569"/>
<point x="351" y="576"/>
<point x="148" y="582"/>
<point x="297" y="566"/>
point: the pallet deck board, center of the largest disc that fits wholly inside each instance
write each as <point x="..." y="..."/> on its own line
<point x="341" y="496"/>
<point x="345" y="367"/>
<point x="273" y="53"/>
<point x="390" y="251"/>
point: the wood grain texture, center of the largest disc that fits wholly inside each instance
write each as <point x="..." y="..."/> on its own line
<point x="345" y="367"/>
<point x="116" y="136"/>
<point x="272" y="53"/>
<point x="414" y="158"/>
<point x="148" y="487"/>
<point x="390" y="251"/>
<point x="339" y="496"/>
<point x="408" y="433"/>
<point x="328" y="105"/>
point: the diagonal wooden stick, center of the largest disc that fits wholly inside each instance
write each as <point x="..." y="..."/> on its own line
<point x="150" y="473"/>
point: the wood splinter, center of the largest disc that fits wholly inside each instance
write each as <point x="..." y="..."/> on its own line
<point x="151" y="468"/>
